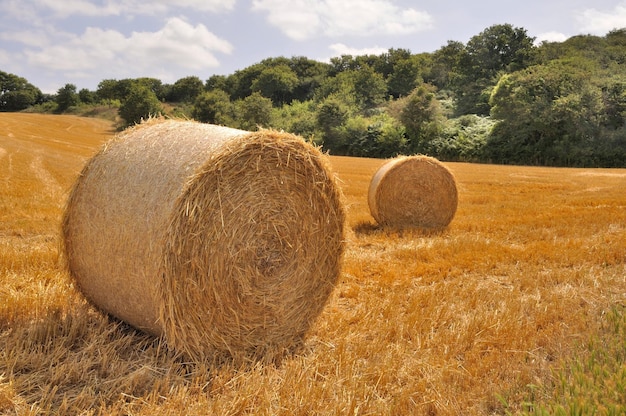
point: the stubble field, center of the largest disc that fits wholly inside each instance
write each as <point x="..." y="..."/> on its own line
<point x="470" y="320"/>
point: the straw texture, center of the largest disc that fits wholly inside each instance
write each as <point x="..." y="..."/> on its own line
<point x="215" y="238"/>
<point x="413" y="191"/>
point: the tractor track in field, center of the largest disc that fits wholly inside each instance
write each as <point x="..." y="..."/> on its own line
<point x="31" y="167"/>
<point x="51" y="186"/>
<point x="6" y="167"/>
<point x="42" y="150"/>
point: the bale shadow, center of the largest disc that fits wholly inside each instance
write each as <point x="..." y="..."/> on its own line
<point x="75" y="362"/>
<point x="368" y="228"/>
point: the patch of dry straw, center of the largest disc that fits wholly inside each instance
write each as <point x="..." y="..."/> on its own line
<point x="413" y="191"/>
<point x="215" y="238"/>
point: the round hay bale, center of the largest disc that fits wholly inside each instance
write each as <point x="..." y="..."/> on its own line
<point x="413" y="191"/>
<point x="216" y="239"/>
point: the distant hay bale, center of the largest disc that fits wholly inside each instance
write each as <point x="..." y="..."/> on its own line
<point x="215" y="238"/>
<point x="414" y="191"/>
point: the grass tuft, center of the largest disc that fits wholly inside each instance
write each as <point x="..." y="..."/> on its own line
<point x="593" y="381"/>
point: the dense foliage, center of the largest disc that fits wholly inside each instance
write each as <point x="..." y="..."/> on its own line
<point x="16" y="93"/>
<point x="499" y="98"/>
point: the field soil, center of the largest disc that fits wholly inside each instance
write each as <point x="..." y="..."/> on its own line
<point x="468" y="320"/>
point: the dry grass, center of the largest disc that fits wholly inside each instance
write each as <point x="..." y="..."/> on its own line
<point x="452" y="322"/>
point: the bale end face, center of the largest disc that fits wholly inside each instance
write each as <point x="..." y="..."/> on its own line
<point x="260" y="233"/>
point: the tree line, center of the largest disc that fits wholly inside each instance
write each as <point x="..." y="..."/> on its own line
<point x="500" y="98"/>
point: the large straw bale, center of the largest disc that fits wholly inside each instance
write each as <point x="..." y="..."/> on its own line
<point x="413" y="191"/>
<point x="215" y="238"/>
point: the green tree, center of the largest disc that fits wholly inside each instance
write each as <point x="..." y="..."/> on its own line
<point x="547" y="114"/>
<point x="332" y="113"/>
<point x="385" y="63"/>
<point x="421" y="115"/>
<point x="66" y="97"/>
<point x="276" y="83"/>
<point x="370" y="89"/>
<point x="392" y="140"/>
<point x="213" y="107"/>
<point x="278" y="79"/>
<point x="379" y="136"/>
<point x="407" y="65"/>
<point x="256" y="111"/>
<point x="112" y="89"/>
<point x="185" y="90"/>
<point x="310" y="74"/>
<point x="614" y="98"/>
<point x="404" y="78"/>
<point x="16" y="93"/>
<point x="364" y="89"/>
<point x="497" y="50"/>
<point x="216" y="82"/>
<point x="153" y="84"/>
<point x="355" y="136"/>
<point x="339" y="64"/>
<point x="85" y="96"/>
<point x="605" y="51"/>
<point x="239" y="84"/>
<point x="463" y="138"/>
<point x="446" y="66"/>
<point x="141" y="103"/>
<point x="299" y="117"/>
<point x="108" y="90"/>
<point x="338" y="86"/>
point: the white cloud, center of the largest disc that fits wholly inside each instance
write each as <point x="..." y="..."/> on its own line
<point x="26" y="9"/>
<point x="6" y="58"/>
<point x="18" y="10"/>
<point x="341" y="49"/>
<point x="296" y="19"/>
<point x="153" y="7"/>
<point x="177" y="46"/>
<point x="204" y="5"/>
<point x="33" y="37"/>
<point x="600" y="22"/>
<point x="304" y="19"/>
<point x="551" y="37"/>
<point x="67" y="8"/>
<point x="180" y="44"/>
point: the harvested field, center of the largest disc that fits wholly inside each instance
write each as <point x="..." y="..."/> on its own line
<point x="446" y="322"/>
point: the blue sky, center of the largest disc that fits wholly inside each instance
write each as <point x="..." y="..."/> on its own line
<point x="55" y="42"/>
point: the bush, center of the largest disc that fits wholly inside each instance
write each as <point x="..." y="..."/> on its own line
<point x="141" y="103"/>
<point x="298" y="118"/>
<point x="462" y="138"/>
<point x="213" y="107"/>
<point x="66" y="97"/>
<point x="256" y="111"/>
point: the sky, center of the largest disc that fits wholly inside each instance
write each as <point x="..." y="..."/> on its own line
<point x="55" y="42"/>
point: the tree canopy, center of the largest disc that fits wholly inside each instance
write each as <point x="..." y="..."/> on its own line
<point x="140" y="103"/>
<point x="66" y="97"/>
<point x="16" y="93"/>
<point x="498" y="98"/>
